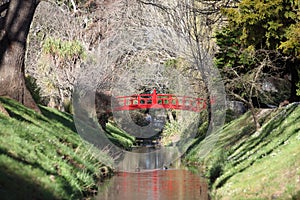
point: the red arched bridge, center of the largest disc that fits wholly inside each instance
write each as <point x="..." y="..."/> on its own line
<point x="159" y="101"/>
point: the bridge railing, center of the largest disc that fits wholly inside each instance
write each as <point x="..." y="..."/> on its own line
<point x="166" y="101"/>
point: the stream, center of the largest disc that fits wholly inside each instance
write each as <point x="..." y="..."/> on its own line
<point x="174" y="183"/>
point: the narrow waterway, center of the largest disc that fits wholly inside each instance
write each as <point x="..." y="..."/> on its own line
<point x="171" y="184"/>
<point x="174" y="183"/>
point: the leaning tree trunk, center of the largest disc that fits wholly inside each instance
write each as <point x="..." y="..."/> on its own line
<point x="295" y="71"/>
<point x="13" y="36"/>
<point x="254" y="115"/>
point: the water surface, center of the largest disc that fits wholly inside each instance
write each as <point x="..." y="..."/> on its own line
<point x="171" y="184"/>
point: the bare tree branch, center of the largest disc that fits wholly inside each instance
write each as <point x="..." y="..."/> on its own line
<point x="158" y="5"/>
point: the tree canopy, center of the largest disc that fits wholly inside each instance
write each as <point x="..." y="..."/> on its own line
<point x="257" y="30"/>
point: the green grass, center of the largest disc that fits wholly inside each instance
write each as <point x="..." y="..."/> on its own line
<point x="42" y="157"/>
<point x="118" y="136"/>
<point x="245" y="164"/>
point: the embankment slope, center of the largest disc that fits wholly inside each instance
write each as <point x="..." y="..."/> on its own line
<point x="249" y="164"/>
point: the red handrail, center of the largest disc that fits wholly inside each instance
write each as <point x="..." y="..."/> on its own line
<point x="154" y="100"/>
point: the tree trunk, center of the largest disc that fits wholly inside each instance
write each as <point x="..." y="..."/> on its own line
<point x="170" y="115"/>
<point x="295" y="70"/>
<point x="254" y="115"/>
<point x="13" y="38"/>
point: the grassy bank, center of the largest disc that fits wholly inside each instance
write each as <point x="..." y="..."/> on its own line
<point x="245" y="164"/>
<point x="42" y="156"/>
<point x="118" y="136"/>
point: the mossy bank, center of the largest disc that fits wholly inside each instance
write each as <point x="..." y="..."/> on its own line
<point x="42" y="156"/>
<point x="249" y="164"/>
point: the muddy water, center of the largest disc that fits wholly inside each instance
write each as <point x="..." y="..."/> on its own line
<point x="171" y="184"/>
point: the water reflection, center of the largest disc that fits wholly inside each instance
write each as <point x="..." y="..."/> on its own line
<point x="144" y="158"/>
<point x="155" y="185"/>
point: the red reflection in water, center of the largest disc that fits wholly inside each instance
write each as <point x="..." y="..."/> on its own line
<point x="155" y="185"/>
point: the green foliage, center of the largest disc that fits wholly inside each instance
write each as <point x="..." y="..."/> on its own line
<point x="247" y="164"/>
<point x="258" y="30"/>
<point x="68" y="106"/>
<point x="171" y="63"/>
<point x="232" y="53"/>
<point x="202" y="130"/>
<point x="119" y="136"/>
<point x="298" y="90"/>
<point x="170" y="129"/>
<point x="176" y="63"/>
<point x="263" y="23"/>
<point x="42" y="157"/>
<point x="230" y="115"/>
<point x="216" y="167"/>
<point x="63" y="49"/>
<point x="259" y="24"/>
<point x="33" y="88"/>
<point x="292" y="43"/>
